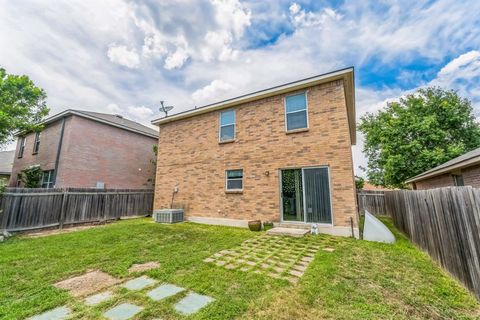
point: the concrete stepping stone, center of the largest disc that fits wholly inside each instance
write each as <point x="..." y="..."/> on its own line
<point x="164" y="291"/>
<point x="98" y="298"/>
<point x="123" y="311"/>
<point x="192" y="303"/>
<point x="328" y="249"/>
<point x="139" y="283"/>
<point x="59" y="313"/>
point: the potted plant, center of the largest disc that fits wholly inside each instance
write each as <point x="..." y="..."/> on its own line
<point x="255" y="225"/>
<point x="267" y="225"/>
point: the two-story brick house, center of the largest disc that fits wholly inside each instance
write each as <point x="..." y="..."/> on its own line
<point x="282" y="154"/>
<point x="88" y="150"/>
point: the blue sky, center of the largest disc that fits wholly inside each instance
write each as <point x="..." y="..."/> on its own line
<point x="124" y="56"/>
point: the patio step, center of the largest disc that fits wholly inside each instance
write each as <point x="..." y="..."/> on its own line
<point x="291" y="232"/>
<point x="295" y="225"/>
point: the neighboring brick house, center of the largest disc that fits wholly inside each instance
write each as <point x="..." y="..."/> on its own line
<point x="6" y="163"/>
<point x="88" y="149"/>
<point x="461" y="171"/>
<point x="282" y="154"/>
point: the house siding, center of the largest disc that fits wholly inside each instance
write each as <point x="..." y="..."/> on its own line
<point x="471" y="177"/>
<point x="91" y="152"/>
<point x="191" y="158"/>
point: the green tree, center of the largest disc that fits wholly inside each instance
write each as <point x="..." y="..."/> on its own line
<point x="359" y="183"/>
<point x="32" y="176"/>
<point x="22" y="105"/>
<point x="417" y="133"/>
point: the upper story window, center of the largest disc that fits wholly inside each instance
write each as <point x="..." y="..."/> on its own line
<point x="36" y="144"/>
<point x="47" y="179"/>
<point x="296" y="113"/>
<point x="21" y="147"/>
<point x="234" y="180"/>
<point x="227" y="125"/>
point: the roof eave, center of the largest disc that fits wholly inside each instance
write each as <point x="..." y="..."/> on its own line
<point x="459" y="165"/>
<point x="69" y="112"/>
<point x="346" y="74"/>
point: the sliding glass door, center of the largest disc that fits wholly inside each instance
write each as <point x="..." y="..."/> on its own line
<point x="306" y="195"/>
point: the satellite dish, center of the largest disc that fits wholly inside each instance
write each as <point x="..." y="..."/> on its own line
<point x="163" y="108"/>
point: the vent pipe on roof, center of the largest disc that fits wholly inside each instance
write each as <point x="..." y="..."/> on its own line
<point x="119" y="116"/>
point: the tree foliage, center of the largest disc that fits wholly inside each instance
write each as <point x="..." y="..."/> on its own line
<point x="417" y="133"/>
<point x="32" y="176"/>
<point x="22" y="105"/>
<point x="359" y="183"/>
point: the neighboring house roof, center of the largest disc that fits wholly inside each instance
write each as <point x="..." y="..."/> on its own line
<point x="346" y="74"/>
<point x="106" y="118"/>
<point x="6" y="161"/>
<point x="462" y="161"/>
<point x="368" y="186"/>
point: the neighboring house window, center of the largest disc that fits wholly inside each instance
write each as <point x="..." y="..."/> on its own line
<point x="458" y="180"/>
<point x="22" y="147"/>
<point x="19" y="180"/>
<point x="234" y="179"/>
<point x="36" y="144"/>
<point x="296" y="111"/>
<point x="47" y="179"/>
<point x="227" y="125"/>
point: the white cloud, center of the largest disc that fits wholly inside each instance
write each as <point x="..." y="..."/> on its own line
<point x="123" y="56"/>
<point x="462" y="61"/>
<point x="215" y="91"/>
<point x="113" y="108"/>
<point x="141" y="112"/>
<point x="302" y="18"/>
<point x="176" y="59"/>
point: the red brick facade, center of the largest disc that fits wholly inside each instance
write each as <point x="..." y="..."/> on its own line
<point x="191" y="157"/>
<point x="91" y="152"/>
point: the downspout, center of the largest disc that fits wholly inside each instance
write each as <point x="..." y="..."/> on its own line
<point x="59" y="149"/>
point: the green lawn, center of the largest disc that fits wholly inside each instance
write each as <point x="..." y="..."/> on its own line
<point x="359" y="280"/>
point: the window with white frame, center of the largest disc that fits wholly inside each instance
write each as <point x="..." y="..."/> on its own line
<point x="296" y="111"/>
<point x="47" y="179"/>
<point x="36" y="143"/>
<point x="21" y="148"/>
<point x="227" y="125"/>
<point x="234" y="179"/>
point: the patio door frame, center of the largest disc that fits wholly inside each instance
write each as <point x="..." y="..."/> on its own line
<point x="303" y="195"/>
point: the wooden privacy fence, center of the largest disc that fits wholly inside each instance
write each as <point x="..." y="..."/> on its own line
<point x="371" y="200"/>
<point x="444" y="222"/>
<point x="24" y="209"/>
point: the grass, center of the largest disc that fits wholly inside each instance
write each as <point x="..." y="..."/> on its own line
<point x="359" y="280"/>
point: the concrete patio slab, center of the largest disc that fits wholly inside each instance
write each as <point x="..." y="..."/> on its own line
<point x="87" y="283"/>
<point x="139" y="283"/>
<point x="123" y="311"/>
<point x="98" y="298"/>
<point x="164" y="291"/>
<point x="59" y="313"/>
<point x="192" y="303"/>
<point x="291" y="232"/>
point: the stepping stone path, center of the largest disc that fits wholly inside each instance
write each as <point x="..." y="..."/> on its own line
<point x="139" y="283"/>
<point x="123" y="311"/>
<point x="59" y="313"/>
<point x="164" y="291"/>
<point x="275" y="256"/>
<point x="192" y="303"/>
<point x="98" y="298"/>
<point x="87" y="283"/>
<point x="140" y="267"/>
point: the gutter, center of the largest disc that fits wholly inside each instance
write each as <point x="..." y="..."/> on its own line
<point x="59" y="149"/>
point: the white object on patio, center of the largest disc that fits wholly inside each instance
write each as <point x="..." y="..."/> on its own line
<point x="375" y="230"/>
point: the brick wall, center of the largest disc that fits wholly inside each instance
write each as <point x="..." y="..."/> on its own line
<point x="191" y="157"/>
<point x="471" y="177"/>
<point x="91" y="152"/>
<point x="94" y="151"/>
<point x="47" y="152"/>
